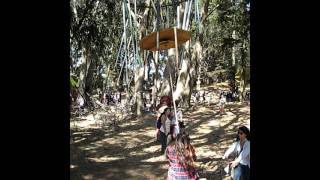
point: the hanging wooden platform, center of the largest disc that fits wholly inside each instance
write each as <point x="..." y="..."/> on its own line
<point x="166" y="39"/>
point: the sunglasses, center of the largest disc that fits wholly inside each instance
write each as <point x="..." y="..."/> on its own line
<point x="240" y="133"/>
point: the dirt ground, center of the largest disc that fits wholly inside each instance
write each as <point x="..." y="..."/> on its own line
<point x="131" y="152"/>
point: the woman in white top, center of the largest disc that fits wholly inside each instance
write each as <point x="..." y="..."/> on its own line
<point x="241" y="148"/>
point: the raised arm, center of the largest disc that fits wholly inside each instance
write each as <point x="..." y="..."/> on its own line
<point x="230" y="150"/>
<point x="245" y="152"/>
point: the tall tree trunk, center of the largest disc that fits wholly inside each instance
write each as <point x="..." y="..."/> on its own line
<point x="140" y="69"/>
<point x="192" y="72"/>
<point x="184" y="84"/>
<point x="243" y="75"/>
<point x="85" y="80"/>
<point x="156" y="56"/>
<point x="139" y="88"/>
<point x="82" y="74"/>
<point x="183" y="88"/>
<point x="89" y="86"/>
<point x="199" y="41"/>
<point x="165" y="86"/>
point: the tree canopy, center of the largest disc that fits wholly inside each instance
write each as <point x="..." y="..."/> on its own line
<point x="104" y="39"/>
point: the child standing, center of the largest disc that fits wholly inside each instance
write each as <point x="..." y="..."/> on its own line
<point x="222" y="102"/>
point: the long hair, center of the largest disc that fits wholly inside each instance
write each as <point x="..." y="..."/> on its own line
<point x="185" y="152"/>
<point x="245" y="130"/>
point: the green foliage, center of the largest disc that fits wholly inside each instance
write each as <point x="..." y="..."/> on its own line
<point x="95" y="33"/>
<point x="73" y="83"/>
<point x="228" y="16"/>
<point x="97" y="27"/>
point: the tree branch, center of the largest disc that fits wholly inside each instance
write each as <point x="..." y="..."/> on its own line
<point x="207" y="15"/>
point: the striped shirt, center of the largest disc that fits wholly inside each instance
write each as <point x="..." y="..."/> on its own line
<point x="165" y="126"/>
<point x="176" y="171"/>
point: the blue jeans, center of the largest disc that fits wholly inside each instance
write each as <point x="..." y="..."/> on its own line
<point x="245" y="172"/>
<point x="241" y="172"/>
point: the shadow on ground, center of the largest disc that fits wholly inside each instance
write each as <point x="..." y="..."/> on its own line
<point x="132" y="153"/>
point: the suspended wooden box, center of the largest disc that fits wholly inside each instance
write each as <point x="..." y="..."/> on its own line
<point x="166" y="39"/>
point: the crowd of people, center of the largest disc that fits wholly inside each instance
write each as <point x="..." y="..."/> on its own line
<point x="177" y="147"/>
<point x="110" y="97"/>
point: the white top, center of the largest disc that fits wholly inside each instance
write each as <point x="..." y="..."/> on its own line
<point x="244" y="157"/>
<point x="165" y="128"/>
<point x="223" y="100"/>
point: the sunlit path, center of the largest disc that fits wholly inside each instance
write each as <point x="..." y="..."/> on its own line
<point x="132" y="150"/>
